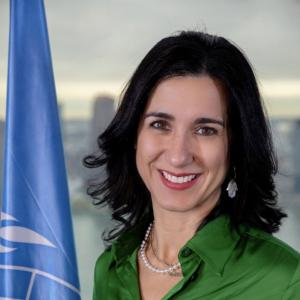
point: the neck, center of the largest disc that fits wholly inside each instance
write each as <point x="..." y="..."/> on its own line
<point x="172" y="231"/>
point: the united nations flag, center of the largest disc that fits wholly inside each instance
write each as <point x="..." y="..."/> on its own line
<point x="37" y="256"/>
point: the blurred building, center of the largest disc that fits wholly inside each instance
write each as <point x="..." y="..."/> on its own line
<point x="76" y="137"/>
<point x="295" y="142"/>
<point x="286" y="135"/>
<point x="1" y="155"/>
<point x="103" y="112"/>
<point x="80" y="140"/>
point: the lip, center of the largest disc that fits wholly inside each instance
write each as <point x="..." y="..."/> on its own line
<point x="179" y="186"/>
<point x="178" y="174"/>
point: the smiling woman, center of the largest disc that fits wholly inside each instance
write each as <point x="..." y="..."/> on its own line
<point x="182" y="144"/>
<point x="190" y="168"/>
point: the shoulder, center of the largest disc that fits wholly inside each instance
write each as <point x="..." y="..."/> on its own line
<point x="103" y="261"/>
<point x="119" y="250"/>
<point x="113" y="257"/>
<point x="103" y="264"/>
<point x="101" y="267"/>
<point x="269" y="244"/>
<point x="278" y="257"/>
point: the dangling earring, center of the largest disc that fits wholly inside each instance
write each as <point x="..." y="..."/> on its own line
<point x="232" y="186"/>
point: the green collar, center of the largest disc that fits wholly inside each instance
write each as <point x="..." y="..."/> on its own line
<point x="213" y="243"/>
<point x="128" y="242"/>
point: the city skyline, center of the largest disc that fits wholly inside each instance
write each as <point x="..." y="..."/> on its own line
<point x="281" y="98"/>
<point x="96" y="45"/>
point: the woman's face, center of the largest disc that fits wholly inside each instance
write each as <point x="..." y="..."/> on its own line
<point x="182" y="143"/>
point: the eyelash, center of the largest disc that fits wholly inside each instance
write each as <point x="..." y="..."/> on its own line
<point x="163" y="125"/>
<point x="208" y="131"/>
<point x="159" y="124"/>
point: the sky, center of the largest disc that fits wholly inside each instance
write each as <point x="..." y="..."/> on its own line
<point x="97" y="44"/>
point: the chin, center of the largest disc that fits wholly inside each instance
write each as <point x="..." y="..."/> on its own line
<point x="198" y="203"/>
<point x="178" y="205"/>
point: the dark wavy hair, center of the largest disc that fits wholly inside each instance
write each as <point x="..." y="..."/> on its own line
<point x="191" y="53"/>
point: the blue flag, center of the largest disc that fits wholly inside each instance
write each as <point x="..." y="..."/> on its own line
<point x="37" y="256"/>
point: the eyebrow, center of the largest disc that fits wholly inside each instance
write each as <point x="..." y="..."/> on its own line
<point x="201" y="120"/>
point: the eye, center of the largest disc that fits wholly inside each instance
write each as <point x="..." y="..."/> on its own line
<point x="160" y="124"/>
<point x="206" y="131"/>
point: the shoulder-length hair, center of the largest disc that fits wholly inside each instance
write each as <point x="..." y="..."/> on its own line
<point x="251" y="150"/>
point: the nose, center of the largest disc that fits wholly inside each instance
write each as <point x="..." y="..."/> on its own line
<point x="179" y="151"/>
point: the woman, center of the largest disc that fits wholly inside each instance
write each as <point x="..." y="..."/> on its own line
<point x="190" y="167"/>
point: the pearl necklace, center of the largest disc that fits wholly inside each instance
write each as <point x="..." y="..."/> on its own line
<point x="146" y="262"/>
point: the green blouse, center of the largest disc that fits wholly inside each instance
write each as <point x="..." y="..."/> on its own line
<point x="217" y="263"/>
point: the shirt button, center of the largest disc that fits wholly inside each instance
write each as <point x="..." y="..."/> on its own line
<point x="186" y="252"/>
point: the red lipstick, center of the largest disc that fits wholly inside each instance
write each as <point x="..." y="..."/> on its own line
<point x="179" y="186"/>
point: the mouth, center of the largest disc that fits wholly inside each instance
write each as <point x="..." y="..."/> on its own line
<point x="178" y="181"/>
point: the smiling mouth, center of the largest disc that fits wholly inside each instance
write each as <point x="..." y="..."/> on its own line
<point x="179" y="179"/>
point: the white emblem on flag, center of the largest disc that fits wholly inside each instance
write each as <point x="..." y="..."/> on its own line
<point x="20" y="234"/>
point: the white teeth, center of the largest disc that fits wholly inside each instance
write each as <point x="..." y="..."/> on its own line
<point x="180" y="179"/>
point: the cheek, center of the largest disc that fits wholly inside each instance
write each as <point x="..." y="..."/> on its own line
<point x="145" y="156"/>
<point x="145" y="153"/>
<point x="217" y="156"/>
<point x="147" y="148"/>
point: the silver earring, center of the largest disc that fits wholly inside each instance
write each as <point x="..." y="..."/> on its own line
<point x="232" y="187"/>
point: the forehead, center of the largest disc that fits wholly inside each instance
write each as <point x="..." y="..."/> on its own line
<point x="199" y="96"/>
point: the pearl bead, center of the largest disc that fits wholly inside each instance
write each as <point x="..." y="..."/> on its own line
<point x="146" y="261"/>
